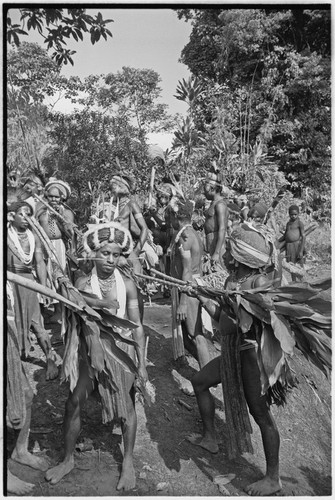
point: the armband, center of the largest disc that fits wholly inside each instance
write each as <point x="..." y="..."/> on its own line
<point x="132" y="304"/>
<point x="138" y="216"/>
<point x="185" y="253"/>
<point x="38" y="250"/>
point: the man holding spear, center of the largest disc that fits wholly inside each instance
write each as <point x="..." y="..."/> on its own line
<point x="56" y="219"/>
<point x="24" y="255"/>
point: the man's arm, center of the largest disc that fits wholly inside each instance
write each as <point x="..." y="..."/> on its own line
<point x="185" y="249"/>
<point x="136" y="211"/>
<point x="221" y="213"/>
<point x="133" y="314"/>
<point x="95" y="302"/>
<point x="41" y="269"/>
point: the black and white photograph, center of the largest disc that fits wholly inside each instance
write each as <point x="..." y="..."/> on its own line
<point x="167" y="188"/>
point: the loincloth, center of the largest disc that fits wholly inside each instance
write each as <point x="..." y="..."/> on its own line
<point x="292" y="251"/>
<point x="113" y="382"/>
<point x="17" y="382"/>
<point x="27" y="311"/>
<point x="206" y="321"/>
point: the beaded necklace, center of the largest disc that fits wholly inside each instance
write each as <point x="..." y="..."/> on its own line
<point x="20" y="238"/>
<point x="106" y="284"/>
<point x="237" y="282"/>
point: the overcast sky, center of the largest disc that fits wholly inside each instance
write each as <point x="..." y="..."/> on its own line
<point x="142" y="38"/>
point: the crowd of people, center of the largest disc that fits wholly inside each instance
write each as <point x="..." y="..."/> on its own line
<point x="105" y="262"/>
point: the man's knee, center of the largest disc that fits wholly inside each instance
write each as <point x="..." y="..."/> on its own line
<point x="73" y="403"/>
<point x="198" y="383"/>
<point x="28" y="394"/>
<point x="260" y="412"/>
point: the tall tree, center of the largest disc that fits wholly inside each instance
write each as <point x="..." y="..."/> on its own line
<point x="268" y="72"/>
<point x="57" y="26"/>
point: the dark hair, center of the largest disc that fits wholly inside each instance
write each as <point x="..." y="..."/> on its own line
<point x="15" y="207"/>
<point x="293" y="207"/>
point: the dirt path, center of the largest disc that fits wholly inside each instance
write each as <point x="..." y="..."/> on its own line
<point x="166" y="464"/>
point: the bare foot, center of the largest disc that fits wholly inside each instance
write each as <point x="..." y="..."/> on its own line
<point x="208" y="444"/>
<point x="264" y="487"/>
<point x="17" y="486"/>
<point x="52" y="370"/>
<point x="26" y="458"/>
<point x="127" y="479"/>
<point x="55" y="474"/>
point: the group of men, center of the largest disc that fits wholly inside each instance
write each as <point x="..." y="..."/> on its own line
<point x="42" y="235"/>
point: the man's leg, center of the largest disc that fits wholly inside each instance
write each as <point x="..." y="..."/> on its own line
<point x="207" y="377"/>
<point x="44" y="342"/>
<point x="127" y="479"/>
<point x="194" y="330"/>
<point x="74" y="404"/>
<point x="260" y="410"/>
<point x="20" y="453"/>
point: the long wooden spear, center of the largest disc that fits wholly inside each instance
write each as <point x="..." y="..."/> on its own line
<point x="76" y="230"/>
<point x="37" y="287"/>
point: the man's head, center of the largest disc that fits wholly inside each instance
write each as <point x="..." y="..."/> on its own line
<point x="107" y="242"/>
<point x="258" y="212"/>
<point x="56" y="192"/>
<point x="249" y="247"/>
<point x="213" y="183"/>
<point x="121" y="185"/>
<point x="32" y="185"/>
<point x="293" y="212"/>
<point x="164" y="194"/>
<point x="17" y="213"/>
<point x="182" y="213"/>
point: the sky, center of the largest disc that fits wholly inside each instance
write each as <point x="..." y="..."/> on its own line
<point x="143" y="38"/>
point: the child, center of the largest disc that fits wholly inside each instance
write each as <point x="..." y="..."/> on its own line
<point x="294" y="238"/>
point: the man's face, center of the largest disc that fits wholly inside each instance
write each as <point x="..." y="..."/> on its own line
<point x="109" y="256"/>
<point x="54" y="198"/>
<point x="19" y="221"/>
<point x="32" y="186"/>
<point x="163" y="200"/>
<point x="293" y="215"/>
<point x="209" y="190"/>
<point x="118" y="187"/>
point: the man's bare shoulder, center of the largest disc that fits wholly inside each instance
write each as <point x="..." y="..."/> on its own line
<point x="82" y="282"/>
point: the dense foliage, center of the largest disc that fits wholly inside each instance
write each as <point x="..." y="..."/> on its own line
<point x="265" y="77"/>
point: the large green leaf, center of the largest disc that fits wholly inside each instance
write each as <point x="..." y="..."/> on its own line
<point x="282" y="331"/>
<point x="256" y="310"/>
<point x="272" y="354"/>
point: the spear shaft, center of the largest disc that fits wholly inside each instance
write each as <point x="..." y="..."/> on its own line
<point x="76" y="230"/>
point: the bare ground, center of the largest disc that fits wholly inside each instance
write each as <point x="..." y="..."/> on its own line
<point x="166" y="464"/>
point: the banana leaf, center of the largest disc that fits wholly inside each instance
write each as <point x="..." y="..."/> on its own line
<point x="117" y="336"/>
<point x="114" y="352"/>
<point x="293" y="315"/>
<point x="91" y="332"/>
<point x="282" y="331"/>
<point x="272" y="356"/>
<point x="109" y="319"/>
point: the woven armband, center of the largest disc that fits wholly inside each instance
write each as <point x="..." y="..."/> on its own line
<point x="138" y="216"/>
<point x="132" y="304"/>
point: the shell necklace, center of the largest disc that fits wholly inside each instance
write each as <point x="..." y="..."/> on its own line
<point x="26" y="258"/>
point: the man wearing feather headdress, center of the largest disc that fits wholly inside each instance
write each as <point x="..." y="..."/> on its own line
<point x="248" y="253"/>
<point x="106" y="289"/>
